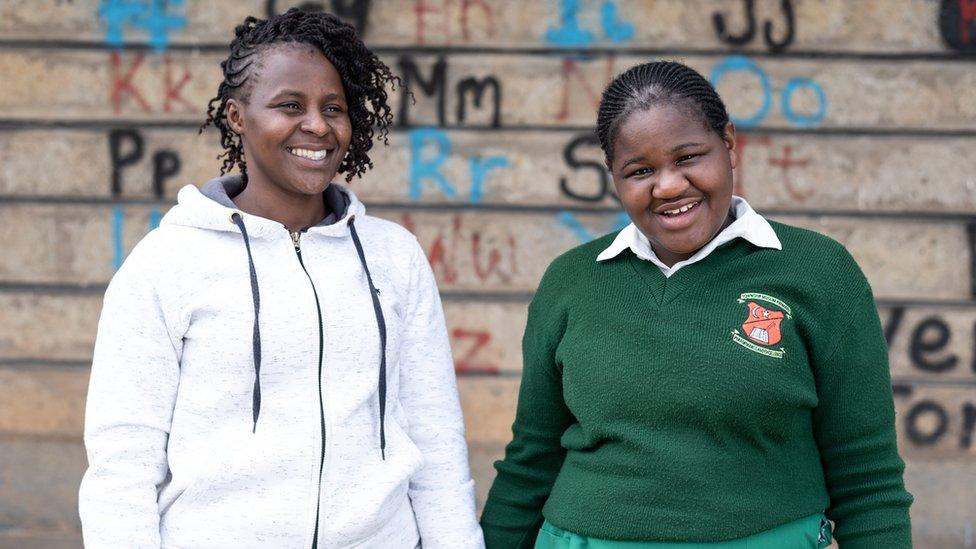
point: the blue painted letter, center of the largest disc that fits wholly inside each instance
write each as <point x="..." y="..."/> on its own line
<point x="569" y="34"/>
<point x="737" y="63"/>
<point x="421" y="169"/>
<point x="804" y="120"/>
<point x="479" y="170"/>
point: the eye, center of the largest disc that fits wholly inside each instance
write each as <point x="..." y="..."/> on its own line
<point x="687" y="158"/>
<point x="291" y="106"/>
<point x="334" y="108"/>
<point x="640" y="171"/>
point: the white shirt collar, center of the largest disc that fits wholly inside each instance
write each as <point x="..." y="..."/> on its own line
<point x="748" y="225"/>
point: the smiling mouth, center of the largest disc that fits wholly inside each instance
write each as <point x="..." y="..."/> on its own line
<point x="310" y="154"/>
<point x="681" y="210"/>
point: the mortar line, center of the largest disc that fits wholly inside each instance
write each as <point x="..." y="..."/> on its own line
<point x="23" y="124"/>
<point x="540" y="51"/>
<point x="524" y="209"/>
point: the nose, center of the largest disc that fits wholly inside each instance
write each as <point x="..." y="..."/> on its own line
<point x="670" y="184"/>
<point x="315" y="123"/>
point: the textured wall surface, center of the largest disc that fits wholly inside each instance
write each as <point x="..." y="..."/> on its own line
<point x="857" y="118"/>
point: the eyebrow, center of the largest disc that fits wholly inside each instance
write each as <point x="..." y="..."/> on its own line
<point x="286" y="92"/>
<point x="295" y="93"/>
<point x="686" y="146"/>
<point x="634" y="160"/>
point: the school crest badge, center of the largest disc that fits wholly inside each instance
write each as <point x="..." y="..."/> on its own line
<point x="761" y="328"/>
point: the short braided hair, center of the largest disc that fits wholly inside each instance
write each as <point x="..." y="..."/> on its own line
<point x="364" y="78"/>
<point x="643" y="86"/>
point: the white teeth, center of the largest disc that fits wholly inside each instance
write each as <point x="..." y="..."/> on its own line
<point x="682" y="209"/>
<point x="305" y="153"/>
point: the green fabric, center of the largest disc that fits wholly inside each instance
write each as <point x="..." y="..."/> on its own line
<point x="812" y="532"/>
<point x="647" y="413"/>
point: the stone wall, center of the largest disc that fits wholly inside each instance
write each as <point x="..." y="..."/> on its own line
<point x="856" y="118"/>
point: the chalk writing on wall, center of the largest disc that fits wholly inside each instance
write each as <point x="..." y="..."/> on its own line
<point x="468" y="88"/>
<point x="927" y="421"/>
<point x="124" y="91"/>
<point x="738" y="63"/>
<point x="570" y="34"/>
<point x="354" y="12"/>
<point x="435" y="21"/>
<point x="153" y="16"/>
<point x="748" y="34"/>
<point x="460" y="254"/>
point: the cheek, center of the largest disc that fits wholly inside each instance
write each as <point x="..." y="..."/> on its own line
<point x="631" y="193"/>
<point x="343" y="130"/>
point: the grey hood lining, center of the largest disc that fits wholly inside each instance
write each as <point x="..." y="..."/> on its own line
<point x="222" y="190"/>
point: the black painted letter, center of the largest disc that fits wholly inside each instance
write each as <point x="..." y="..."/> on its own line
<point x="569" y="155"/>
<point x="911" y="421"/>
<point x="478" y="87"/>
<point x="433" y="87"/>
<point x="931" y="336"/>
<point x="165" y="165"/>
<point x="116" y="141"/>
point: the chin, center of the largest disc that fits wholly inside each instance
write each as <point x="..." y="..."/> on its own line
<point x="312" y="188"/>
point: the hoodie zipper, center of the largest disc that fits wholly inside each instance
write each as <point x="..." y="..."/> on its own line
<point x="296" y="241"/>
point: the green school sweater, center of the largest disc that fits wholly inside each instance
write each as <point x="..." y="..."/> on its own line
<point x="748" y="390"/>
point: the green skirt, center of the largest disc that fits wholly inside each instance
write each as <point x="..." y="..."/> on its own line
<point x="811" y="532"/>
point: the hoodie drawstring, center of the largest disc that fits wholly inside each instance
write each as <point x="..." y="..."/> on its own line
<point x="256" y="341"/>
<point x="381" y="324"/>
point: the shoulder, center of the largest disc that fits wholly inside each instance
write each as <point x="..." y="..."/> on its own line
<point x="582" y="257"/>
<point x="167" y="257"/>
<point x="153" y="253"/>
<point x="575" y="265"/>
<point x="388" y="243"/>
<point x="383" y="229"/>
<point x="816" y="253"/>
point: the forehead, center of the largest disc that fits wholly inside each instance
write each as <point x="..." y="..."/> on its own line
<point x="660" y="127"/>
<point x="301" y="67"/>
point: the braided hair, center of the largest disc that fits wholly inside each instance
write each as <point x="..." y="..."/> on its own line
<point x="649" y="84"/>
<point x="364" y="78"/>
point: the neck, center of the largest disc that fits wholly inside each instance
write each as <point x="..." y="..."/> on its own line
<point x="669" y="258"/>
<point x="294" y="211"/>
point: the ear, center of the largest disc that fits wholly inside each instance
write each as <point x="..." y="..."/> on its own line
<point x="728" y="137"/>
<point x="235" y="116"/>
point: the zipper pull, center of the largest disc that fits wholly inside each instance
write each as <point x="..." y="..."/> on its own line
<point x="295" y="236"/>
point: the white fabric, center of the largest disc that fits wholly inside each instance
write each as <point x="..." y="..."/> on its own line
<point x="173" y="461"/>
<point x="748" y="225"/>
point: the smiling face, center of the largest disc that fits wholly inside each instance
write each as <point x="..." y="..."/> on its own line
<point x="294" y="122"/>
<point x="673" y="175"/>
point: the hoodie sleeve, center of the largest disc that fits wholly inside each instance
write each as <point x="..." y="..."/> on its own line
<point x="442" y="492"/>
<point x="132" y="391"/>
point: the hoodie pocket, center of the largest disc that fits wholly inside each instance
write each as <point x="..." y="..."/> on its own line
<point x="228" y="469"/>
<point x="403" y="443"/>
<point x="184" y="501"/>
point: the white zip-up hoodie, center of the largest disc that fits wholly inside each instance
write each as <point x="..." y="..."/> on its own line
<point x="187" y="450"/>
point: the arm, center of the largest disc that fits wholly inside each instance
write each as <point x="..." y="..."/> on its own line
<point x="131" y="394"/>
<point x="442" y="493"/>
<point x="513" y="513"/>
<point x="854" y="425"/>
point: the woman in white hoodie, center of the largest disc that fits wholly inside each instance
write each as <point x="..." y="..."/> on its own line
<point x="272" y="367"/>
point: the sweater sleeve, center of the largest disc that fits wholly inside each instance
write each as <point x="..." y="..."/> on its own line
<point x="132" y="391"/>
<point x="854" y="425"/>
<point x="442" y="492"/>
<point x="513" y="512"/>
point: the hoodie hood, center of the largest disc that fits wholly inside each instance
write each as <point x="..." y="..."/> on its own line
<point x="211" y="206"/>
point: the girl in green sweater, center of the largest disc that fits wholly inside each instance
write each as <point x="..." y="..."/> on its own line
<point x="704" y="378"/>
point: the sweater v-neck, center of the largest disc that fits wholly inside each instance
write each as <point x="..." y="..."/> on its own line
<point x="665" y="289"/>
